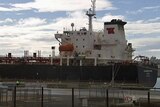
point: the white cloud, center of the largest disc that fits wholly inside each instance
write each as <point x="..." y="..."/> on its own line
<point x="10" y="9"/>
<point x="142" y="42"/>
<point x="146" y="43"/>
<point x="58" y="5"/>
<point x="143" y="27"/>
<point x="31" y="21"/>
<point x="151" y="7"/>
<point x="26" y="34"/>
<point x="7" y="20"/>
<point x="157" y="19"/>
<point x="109" y="17"/>
<point x="143" y="9"/>
<point x="147" y="53"/>
<point x="4" y="9"/>
<point x="76" y="14"/>
<point x="148" y="46"/>
<point x="154" y="50"/>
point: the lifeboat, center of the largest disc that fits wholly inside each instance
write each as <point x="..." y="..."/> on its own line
<point x="66" y="47"/>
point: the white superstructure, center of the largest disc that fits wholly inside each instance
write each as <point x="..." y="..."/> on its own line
<point x="110" y="44"/>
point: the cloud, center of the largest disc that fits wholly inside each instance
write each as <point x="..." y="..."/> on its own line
<point x="31" y="21"/>
<point x="151" y="7"/>
<point x="5" y="9"/>
<point x="148" y="46"/>
<point x="11" y="9"/>
<point x="109" y="17"/>
<point x="154" y="50"/>
<point x="157" y="19"/>
<point x="143" y="26"/>
<point x="76" y="14"/>
<point x="58" y="5"/>
<point x="147" y="53"/>
<point x="141" y="10"/>
<point x="26" y="34"/>
<point x="144" y="35"/>
<point x="142" y="42"/>
<point x="7" y="20"/>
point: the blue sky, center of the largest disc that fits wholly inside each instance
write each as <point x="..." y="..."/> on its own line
<point x="31" y="24"/>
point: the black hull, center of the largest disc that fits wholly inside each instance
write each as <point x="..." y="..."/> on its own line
<point x="123" y="73"/>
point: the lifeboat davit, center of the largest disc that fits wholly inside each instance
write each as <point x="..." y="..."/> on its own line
<point x="66" y="47"/>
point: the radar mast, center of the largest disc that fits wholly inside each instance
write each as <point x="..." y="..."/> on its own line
<point x="90" y="13"/>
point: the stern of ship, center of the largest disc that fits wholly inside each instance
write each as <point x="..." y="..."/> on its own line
<point x="147" y="75"/>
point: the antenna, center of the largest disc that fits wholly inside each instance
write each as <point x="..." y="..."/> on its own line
<point x="93" y="6"/>
<point x="90" y="13"/>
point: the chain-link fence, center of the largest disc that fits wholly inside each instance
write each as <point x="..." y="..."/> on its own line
<point x="76" y="97"/>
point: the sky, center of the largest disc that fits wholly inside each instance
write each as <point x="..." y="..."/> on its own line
<point x="31" y="24"/>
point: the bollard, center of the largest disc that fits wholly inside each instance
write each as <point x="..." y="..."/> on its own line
<point x="0" y="95"/>
<point x="72" y="97"/>
<point x="42" y="98"/>
<point x="107" y="99"/>
<point x="14" y="99"/>
<point x="148" y="98"/>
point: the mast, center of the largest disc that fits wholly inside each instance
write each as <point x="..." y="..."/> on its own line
<point x="90" y="13"/>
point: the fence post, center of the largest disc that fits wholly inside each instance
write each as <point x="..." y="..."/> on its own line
<point x="148" y="98"/>
<point x="42" y="98"/>
<point x="0" y="95"/>
<point x="72" y="97"/>
<point x="14" y="95"/>
<point x="107" y="99"/>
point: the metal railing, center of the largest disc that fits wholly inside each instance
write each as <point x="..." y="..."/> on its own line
<point x="77" y="97"/>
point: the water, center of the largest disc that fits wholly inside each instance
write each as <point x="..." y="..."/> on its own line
<point x="158" y="83"/>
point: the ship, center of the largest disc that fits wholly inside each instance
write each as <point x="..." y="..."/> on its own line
<point x="85" y="56"/>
